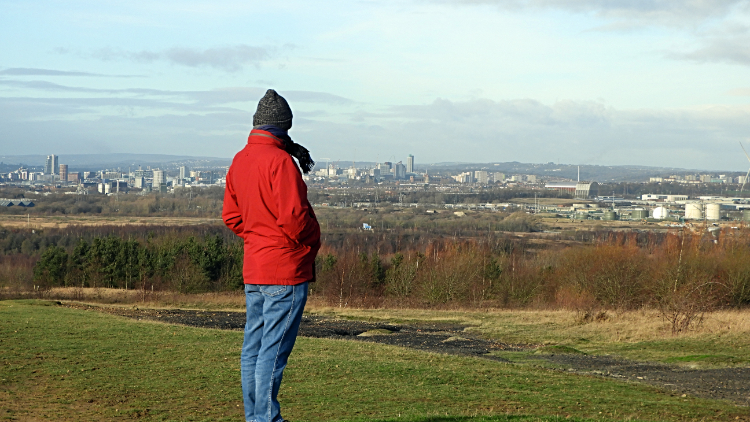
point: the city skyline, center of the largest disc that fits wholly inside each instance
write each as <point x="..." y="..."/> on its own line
<point x="613" y="83"/>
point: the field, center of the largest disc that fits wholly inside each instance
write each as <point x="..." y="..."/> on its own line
<point x="493" y="322"/>
<point x="71" y="364"/>
<point x="63" y="221"/>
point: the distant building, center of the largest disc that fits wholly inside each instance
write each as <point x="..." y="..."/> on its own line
<point x="105" y="188"/>
<point x="51" y="165"/>
<point x="399" y="171"/>
<point x="143" y="173"/>
<point x="410" y="164"/>
<point x="183" y="172"/>
<point x="465" y="177"/>
<point x="74" y="177"/>
<point x="579" y="190"/>
<point x="385" y="168"/>
<point x="63" y="172"/>
<point x="482" y="177"/>
<point x="665" y="198"/>
<point x="159" y="179"/>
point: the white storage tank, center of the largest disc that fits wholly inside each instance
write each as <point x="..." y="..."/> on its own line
<point x="713" y="211"/>
<point x="693" y="211"/>
<point x="660" y="213"/>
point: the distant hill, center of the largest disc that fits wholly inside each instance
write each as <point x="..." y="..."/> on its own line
<point x="570" y="171"/>
<point x="77" y="162"/>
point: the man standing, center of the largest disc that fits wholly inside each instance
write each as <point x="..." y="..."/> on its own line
<point x="265" y="203"/>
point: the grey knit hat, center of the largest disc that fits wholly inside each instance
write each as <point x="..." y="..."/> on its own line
<point x="273" y="110"/>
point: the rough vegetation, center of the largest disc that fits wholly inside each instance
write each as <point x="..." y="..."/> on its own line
<point x="681" y="274"/>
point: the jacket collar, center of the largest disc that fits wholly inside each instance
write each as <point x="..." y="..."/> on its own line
<point x="265" y="138"/>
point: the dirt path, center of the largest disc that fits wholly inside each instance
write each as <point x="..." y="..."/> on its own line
<point x="731" y="384"/>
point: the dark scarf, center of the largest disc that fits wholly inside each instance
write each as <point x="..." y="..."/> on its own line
<point x="294" y="149"/>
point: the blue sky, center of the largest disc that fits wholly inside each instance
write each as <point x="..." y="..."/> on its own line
<point x="663" y="83"/>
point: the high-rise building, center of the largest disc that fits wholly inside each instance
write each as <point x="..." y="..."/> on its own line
<point x="481" y="177"/>
<point x="63" y="172"/>
<point x="399" y="171"/>
<point x="410" y="164"/>
<point x="385" y="168"/>
<point x="183" y="172"/>
<point x="159" y="179"/>
<point x="51" y="164"/>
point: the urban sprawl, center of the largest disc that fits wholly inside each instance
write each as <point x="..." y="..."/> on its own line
<point x="381" y="181"/>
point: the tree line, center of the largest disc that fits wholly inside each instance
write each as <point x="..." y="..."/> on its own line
<point x="681" y="273"/>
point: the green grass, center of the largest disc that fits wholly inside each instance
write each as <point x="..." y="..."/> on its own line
<point x="560" y="348"/>
<point x="699" y="352"/>
<point x="74" y="365"/>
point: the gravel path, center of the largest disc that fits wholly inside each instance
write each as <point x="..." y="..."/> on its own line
<point x="731" y="384"/>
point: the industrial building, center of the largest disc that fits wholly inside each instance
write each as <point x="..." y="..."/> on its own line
<point x="665" y="198"/>
<point x="579" y="190"/>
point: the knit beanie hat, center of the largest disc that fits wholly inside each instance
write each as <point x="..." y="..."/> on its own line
<point x="273" y="110"/>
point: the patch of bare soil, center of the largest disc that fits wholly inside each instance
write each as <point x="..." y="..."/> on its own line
<point x="731" y="384"/>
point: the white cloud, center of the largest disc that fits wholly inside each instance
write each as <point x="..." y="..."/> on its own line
<point x="733" y="49"/>
<point x="473" y="131"/>
<point x="227" y="58"/>
<point x="530" y="131"/>
<point x="26" y="71"/>
<point x="664" y="12"/>
<point x="208" y="98"/>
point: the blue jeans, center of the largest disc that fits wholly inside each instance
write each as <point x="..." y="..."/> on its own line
<point x="273" y="317"/>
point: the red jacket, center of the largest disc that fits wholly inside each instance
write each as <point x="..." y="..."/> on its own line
<point x="265" y="203"/>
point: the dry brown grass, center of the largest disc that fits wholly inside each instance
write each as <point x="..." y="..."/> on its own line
<point x="152" y="299"/>
<point x="540" y="326"/>
<point x="556" y="326"/>
<point x="40" y="222"/>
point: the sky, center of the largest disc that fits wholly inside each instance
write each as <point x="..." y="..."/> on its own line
<point x="617" y="82"/>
